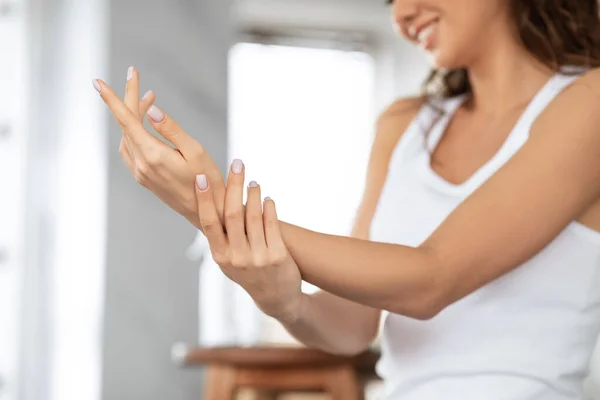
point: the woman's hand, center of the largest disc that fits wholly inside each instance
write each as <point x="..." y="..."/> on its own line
<point x="168" y="173"/>
<point x="252" y="252"/>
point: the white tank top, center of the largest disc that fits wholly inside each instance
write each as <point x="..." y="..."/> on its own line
<point x="530" y="334"/>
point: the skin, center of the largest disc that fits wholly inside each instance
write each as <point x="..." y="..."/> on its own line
<point x="553" y="180"/>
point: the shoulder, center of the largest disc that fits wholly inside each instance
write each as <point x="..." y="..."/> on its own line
<point x="396" y="117"/>
<point x="402" y="110"/>
<point x="575" y="111"/>
<point x="589" y="80"/>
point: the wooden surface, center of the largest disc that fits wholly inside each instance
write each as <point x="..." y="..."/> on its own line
<point x="264" y="357"/>
<point x="274" y="371"/>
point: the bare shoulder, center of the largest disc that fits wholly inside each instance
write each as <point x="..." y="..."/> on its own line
<point x="402" y="110"/>
<point x="396" y="118"/>
<point x="589" y="80"/>
<point x="575" y="111"/>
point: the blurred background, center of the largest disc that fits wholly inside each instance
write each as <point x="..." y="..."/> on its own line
<point x="102" y="287"/>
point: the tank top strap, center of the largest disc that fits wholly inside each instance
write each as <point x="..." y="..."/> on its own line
<point x="543" y="98"/>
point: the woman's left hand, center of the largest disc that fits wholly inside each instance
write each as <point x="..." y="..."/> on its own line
<point x="168" y="173"/>
<point x="250" y="250"/>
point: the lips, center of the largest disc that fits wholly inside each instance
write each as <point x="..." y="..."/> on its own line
<point x="424" y="34"/>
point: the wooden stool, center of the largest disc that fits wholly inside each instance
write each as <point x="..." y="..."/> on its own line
<point x="279" y="370"/>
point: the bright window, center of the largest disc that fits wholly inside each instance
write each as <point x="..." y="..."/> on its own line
<point x="302" y="121"/>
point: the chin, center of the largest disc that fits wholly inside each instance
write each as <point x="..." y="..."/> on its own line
<point x="441" y="59"/>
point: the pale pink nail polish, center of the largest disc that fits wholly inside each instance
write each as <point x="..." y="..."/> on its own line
<point x="237" y="166"/>
<point x="253" y="184"/>
<point x="96" y="85"/>
<point x="202" y="182"/>
<point x="156" y="114"/>
<point x="129" y="73"/>
<point x="148" y="94"/>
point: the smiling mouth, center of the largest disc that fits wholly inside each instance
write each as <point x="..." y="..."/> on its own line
<point x="424" y="35"/>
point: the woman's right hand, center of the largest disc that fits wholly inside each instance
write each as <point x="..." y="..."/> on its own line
<point x="168" y="173"/>
<point x="249" y="247"/>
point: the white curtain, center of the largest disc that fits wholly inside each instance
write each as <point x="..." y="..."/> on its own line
<point x="66" y="195"/>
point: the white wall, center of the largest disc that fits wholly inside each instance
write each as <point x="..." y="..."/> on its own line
<point x="181" y="49"/>
<point x="401" y="67"/>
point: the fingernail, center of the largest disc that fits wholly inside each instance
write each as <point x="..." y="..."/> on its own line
<point x="96" y="85"/>
<point x="156" y="114"/>
<point x="267" y="198"/>
<point x="253" y="184"/>
<point x="129" y="73"/>
<point x="148" y="94"/>
<point x="237" y="166"/>
<point x="202" y="182"/>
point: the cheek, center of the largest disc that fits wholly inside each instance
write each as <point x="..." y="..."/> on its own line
<point x="458" y="41"/>
<point x="453" y="46"/>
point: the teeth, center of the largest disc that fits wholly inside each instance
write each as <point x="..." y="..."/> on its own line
<point x="425" y="33"/>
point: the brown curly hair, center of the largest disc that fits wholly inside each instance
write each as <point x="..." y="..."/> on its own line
<point x="559" y="33"/>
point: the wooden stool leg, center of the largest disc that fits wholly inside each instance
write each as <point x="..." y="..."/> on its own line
<point x="220" y="383"/>
<point x="342" y="384"/>
<point x="266" y="395"/>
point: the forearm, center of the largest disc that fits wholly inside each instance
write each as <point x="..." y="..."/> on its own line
<point x="324" y="323"/>
<point x="395" y="278"/>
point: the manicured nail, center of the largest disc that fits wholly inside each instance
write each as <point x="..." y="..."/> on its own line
<point x="237" y="166"/>
<point x="156" y="114"/>
<point x="129" y="73"/>
<point x="253" y="184"/>
<point x="96" y="85"/>
<point x="202" y="182"/>
<point x="412" y="32"/>
<point x="267" y="198"/>
<point x="148" y="94"/>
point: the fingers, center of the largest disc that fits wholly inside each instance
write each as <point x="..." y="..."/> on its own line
<point x="131" y="101"/>
<point x="271" y="223"/>
<point x="254" y="218"/>
<point x="132" y="91"/>
<point x="234" y="207"/>
<point x="209" y="218"/>
<point x="170" y="130"/>
<point x="146" y="102"/>
<point x="126" y="119"/>
<point x="126" y="155"/>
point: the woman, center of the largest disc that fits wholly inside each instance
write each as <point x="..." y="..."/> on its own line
<point x="488" y="207"/>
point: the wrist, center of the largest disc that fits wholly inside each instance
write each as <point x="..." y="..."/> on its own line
<point x="296" y="312"/>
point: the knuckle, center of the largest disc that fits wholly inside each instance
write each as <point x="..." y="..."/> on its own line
<point x="259" y="260"/>
<point x="220" y="258"/>
<point x="142" y="169"/>
<point x="123" y="122"/>
<point x="271" y="223"/>
<point x="233" y="215"/>
<point x="239" y="260"/>
<point x="141" y="174"/>
<point x="278" y="257"/>
<point x="168" y="129"/>
<point x="254" y="218"/>
<point x="153" y="156"/>
<point x="210" y="225"/>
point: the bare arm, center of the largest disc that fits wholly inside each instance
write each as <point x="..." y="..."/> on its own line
<point x="332" y="323"/>
<point x="552" y="180"/>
